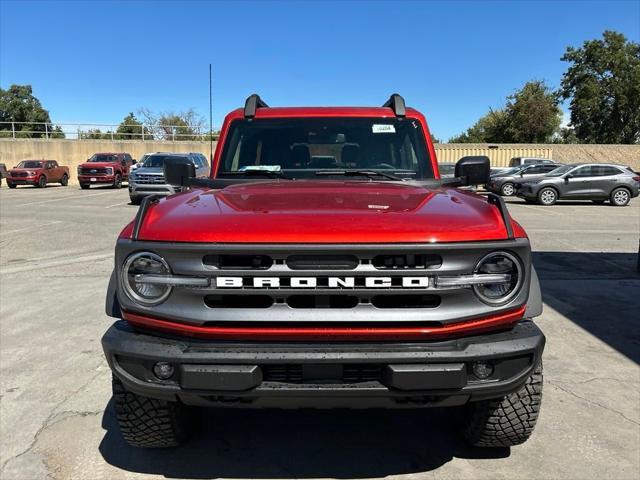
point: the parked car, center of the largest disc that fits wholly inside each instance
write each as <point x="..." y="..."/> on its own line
<point x="148" y="178"/>
<point x="584" y="181"/>
<point x="506" y="183"/>
<point x="307" y="271"/>
<point x="447" y="170"/>
<point x="519" y="162"/>
<point x="38" y="173"/>
<point x="105" y="168"/>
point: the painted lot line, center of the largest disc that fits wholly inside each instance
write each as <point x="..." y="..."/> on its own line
<point x="55" y="263"/>
<point x="33" y="227"/>
<point x="41" y="202"/>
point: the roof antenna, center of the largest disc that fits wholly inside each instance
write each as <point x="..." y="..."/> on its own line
<point x="210" y="119"/>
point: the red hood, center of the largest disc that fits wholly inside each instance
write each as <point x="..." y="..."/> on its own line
<point x="323" y="212"/>
<point x="97" y="164"/>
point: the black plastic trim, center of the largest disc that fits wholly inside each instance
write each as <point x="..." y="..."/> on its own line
<point x="499" y="202"/>
<point x="252" y="103"/>
<point x="396" y="103"/>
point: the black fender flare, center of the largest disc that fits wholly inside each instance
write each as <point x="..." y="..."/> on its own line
<point x="112" y="304"/>
<point x="534" y="303"/>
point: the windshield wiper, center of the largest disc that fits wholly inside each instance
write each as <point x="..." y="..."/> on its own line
<point x="360" y="173"/>
<point x="257" y="173"/>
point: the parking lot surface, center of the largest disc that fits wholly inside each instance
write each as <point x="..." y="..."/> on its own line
<point x="56" y="420"/>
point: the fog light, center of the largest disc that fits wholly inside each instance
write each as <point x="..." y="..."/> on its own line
<point x="163" y="370"/>
<point x="482" y="370"/>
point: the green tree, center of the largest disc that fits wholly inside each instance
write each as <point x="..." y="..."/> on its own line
<point x="603" y="85"/>
<point x="132" y="129"/>
<point x="20" y="106"/>
<point x="186" y="125"/>
<point x="533" y="115"/>
<point x="492" y="128"/>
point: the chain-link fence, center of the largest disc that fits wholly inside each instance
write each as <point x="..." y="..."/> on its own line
<point x="105" y="131"/>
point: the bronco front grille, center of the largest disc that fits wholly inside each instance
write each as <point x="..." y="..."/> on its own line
<point x="263" y="284"/>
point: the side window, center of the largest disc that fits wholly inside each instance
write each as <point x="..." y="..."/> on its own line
<point x="531" y="170"/>
<point x="205" y="162"/>
<point x="606" y="171"/>
<point x="582" y="172"/>
<point x="548" y="168"/>
<point x="197" y="161"/>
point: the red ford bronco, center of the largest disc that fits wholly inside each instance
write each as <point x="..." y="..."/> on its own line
<point x="38" y="173"/>
<point x="323" y="264"/>
<point x="105" y="168"/>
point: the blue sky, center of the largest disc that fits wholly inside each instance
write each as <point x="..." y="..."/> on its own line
<point x="96" y="61"/>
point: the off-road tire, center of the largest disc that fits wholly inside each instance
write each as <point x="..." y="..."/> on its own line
<point x="545" y="196"/>
<point x="620" y="197"/>
<point x="117" y="181"/>
<point x="42" y="182"/>
<point x="65" y="180"/>
<point x="150" y="423"/>
<point x="85" y="186"/>
<point x="507" y="421"/>
<point x="508" y="189"/>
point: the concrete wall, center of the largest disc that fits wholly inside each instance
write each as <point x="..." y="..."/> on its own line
<point x="500" y="154"/>
<point x="74" y="152"/>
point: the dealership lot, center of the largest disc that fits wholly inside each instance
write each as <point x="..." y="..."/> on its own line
<point x="56" y="248"/>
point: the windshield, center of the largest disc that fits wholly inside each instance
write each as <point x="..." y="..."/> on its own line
<point x="30" y="164"/>
<point x="301" y="147"/>
<point x="157" y="161"/>
<point x="101" y="157"/>
<point x="510" y="171"/>
<point x="560" y="171"/>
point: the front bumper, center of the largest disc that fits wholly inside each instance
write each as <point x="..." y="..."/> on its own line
<point x="92" y="179"/>
<point x="324" y="375"/>
<point x="33" y="180"/>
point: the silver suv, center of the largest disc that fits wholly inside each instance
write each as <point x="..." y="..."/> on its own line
<point x="506" y="183"/>
<point x="584" y="181"/>
<point x="148" y="178"/>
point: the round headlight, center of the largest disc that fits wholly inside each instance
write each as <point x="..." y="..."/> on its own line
<point x="499" y="292"/>
<point x="135" y="267"/>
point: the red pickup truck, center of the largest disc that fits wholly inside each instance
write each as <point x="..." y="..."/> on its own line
<point x="38" y="173"/>
<point x="105" y="168"/>
<point x="325" y="263"/>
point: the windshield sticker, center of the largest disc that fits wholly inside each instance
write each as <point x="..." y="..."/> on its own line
<point x="380" y="128"/>
<point x="261" y="168"/>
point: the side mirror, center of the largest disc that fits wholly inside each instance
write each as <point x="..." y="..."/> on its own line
<point x="133" y="161"/>
<point x="179" y="171"/>
<point x="473" y="170"/>
<point x="567" y="177"/>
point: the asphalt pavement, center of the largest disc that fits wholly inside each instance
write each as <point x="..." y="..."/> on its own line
<point x="57" y="421"/>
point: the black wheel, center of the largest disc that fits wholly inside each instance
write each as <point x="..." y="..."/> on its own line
<point x="42" y="182"/>
<point x="84" y="186"/>
<point x="620" y="197"/>
<point x="508" y="189"/>
<point x="150" y="423"/>
<point x="65" y="180"/>
<point x="11" y="185"/>
<point x="117" y="182"/>
<point x="507" y="421"/>
<point x="135" y="200"/>
<point x="547" y="196"/>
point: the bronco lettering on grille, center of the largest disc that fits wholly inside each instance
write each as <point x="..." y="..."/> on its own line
<point x="323" y="282"/>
